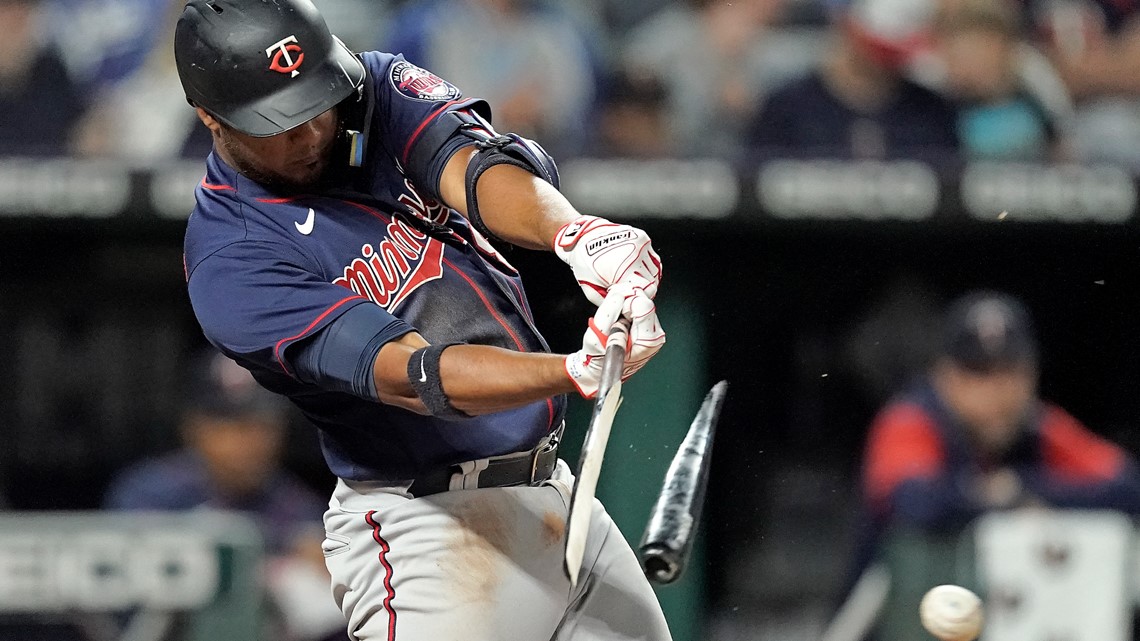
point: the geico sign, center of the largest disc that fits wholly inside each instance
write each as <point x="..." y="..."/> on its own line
<point x="106" y="571"/>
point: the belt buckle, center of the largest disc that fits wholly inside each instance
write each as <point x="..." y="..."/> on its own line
<point x="550" y="444"/>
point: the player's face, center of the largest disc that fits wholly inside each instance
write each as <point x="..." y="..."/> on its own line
<point x="295" y="159"/>
<point x="240" y="453"/>
<point x="992" y="404"/>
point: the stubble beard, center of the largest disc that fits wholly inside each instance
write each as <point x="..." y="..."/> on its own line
<point x="249" y="168"/>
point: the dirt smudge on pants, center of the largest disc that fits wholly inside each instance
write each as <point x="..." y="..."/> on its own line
<point x="475" y="552"/>
<point x="553" y="528"/>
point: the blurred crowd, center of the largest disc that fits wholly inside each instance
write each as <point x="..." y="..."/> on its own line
<point x="936" y="80"/>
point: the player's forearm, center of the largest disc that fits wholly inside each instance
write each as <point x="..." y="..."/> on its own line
<point x="516" y="205"/>
<point x="480" y="380"/>
<point x="477" y="379"/>
<point x="522" y="208"/>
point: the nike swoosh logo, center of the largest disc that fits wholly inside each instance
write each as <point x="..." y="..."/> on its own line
<point x="423" y="374"/>
<point x="306" y="227"/>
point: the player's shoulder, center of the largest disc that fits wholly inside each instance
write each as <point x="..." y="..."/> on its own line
<point x="394" y="76"/>
<point x="251" y="226"/>
<point x="1055" y="420"/>
<point x="903" y="411"/>
<point x="376" y="63"/>
<point x="909" y="411"/>
<point x="173" y="481"/>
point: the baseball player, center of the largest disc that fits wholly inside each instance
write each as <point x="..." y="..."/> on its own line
<point x="339" y="251"/>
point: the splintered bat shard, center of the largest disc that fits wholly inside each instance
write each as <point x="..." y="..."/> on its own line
<point x="673" y="522"/>
<point x="594" y="449"/>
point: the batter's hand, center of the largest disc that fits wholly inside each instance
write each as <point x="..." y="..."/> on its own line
<point x="646" y="337"/>
<point x="603" y="254"/>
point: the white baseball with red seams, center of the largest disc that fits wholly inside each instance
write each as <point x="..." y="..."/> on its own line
<point x="951" y="613"/>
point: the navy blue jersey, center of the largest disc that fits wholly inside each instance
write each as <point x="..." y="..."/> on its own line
<point x="267" y="270"/>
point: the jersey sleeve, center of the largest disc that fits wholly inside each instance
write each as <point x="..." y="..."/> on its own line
<point x="908" y="479"/>
<point x="1081" y="470"/>
<point x="256" y="299"/>
<point x="411" y="102"/>
<point x="1073" y="453"/>
<point x="902" y="445"/>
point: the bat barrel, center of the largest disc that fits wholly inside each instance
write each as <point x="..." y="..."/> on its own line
<point x="669" y="533"/>
<point x="661" y="565"/>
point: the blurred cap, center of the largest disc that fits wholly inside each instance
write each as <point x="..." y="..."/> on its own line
<point x="890" y="31"/>
<point x="987" y="331"/>
<point x="220" y="388"/>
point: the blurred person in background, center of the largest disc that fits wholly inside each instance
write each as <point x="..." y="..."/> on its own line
<point x="632" y="121"/>
<point x="714" y="61"/>
<point x="1012" y="103"/>
<point x="1095" y="45"/>
<point x="531" y="62"/>
<point x="142" y="117"/>
<point x="860" y="103"/>
<point x="39" y="104"/>
<point x="973" y="435"/>
<point x="233" y="431"/>
<point x="102" y="42"/>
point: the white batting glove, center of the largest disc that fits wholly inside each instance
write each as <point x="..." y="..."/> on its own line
<point x="603" y="254"/>
<point x="646" y="337"/>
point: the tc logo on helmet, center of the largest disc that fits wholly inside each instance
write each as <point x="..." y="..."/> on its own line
<point x="281" y="56"/>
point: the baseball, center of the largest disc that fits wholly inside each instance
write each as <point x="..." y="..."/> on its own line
<point x="951" y="613"/>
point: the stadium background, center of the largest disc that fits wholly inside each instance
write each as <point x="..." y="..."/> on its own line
<point x="807" y="284"/>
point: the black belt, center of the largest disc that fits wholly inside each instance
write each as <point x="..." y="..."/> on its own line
<point x="523" y="468"/>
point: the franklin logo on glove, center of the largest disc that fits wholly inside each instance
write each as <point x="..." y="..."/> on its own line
<point x="595" y="246"/>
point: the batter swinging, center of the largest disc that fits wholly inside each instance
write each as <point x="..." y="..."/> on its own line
<point x="339" y="251"/>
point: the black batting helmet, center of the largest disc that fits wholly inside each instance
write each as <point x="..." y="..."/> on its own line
<point x="262" y="66"/>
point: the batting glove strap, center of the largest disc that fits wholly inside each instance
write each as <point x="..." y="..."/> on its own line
<point x="423" y="374"/>
<point x="602" y="253"/>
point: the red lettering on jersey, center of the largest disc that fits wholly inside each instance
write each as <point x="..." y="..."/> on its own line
<point x="423" y="206"/>
<point x="390" y="271"/>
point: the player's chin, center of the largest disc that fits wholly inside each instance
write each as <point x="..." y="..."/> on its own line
<point x="305" y="176"/>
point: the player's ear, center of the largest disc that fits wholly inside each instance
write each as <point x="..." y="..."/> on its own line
<point x="211" y="123"/>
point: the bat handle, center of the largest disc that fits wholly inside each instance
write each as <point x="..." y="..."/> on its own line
<point x="619" y="335"/>
<point x="614" y="360"/>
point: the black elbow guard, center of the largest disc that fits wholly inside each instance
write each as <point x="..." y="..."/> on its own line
<point x="505" y="149"/>
<point x="453" y="130"/>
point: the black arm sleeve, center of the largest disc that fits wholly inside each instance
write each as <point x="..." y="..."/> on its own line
<point x="340" y="357"/>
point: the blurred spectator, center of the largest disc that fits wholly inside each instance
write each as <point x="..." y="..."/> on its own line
<point x="355" y="22"/>
<point x="1095" y="44"/>
<point x="860" y="103"/>
<point x="713" y="59"/>
<point x="1012" y="103"/>
<point x="623" y="15"/>
<point x="143" y="117"/>
<point x="101" y="41"/>
<point x="38" y="102"/>
<point x="233" y="431"/>
<point x="631" y="119"/>
<point x="532" y="64"/>
<point x="973" y="436"/>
